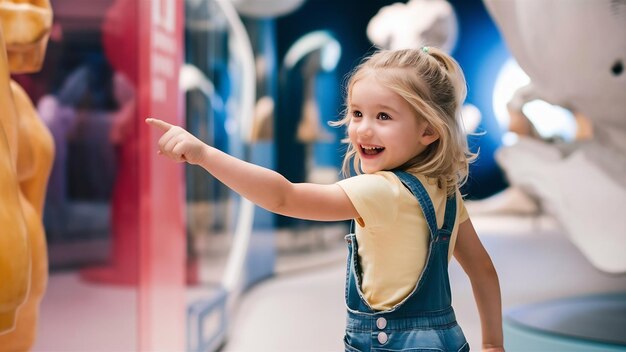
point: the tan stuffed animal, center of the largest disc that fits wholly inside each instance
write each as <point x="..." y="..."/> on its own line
<point x="14" y="254"/>
<point x="25" y="25"/>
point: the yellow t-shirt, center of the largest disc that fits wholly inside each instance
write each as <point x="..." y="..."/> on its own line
<point x="393" y="235"/>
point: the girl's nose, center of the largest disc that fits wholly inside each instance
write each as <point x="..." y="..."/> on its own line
<point x="365" y="128"/>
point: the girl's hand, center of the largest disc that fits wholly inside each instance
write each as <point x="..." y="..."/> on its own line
<point x="178" y="144"/>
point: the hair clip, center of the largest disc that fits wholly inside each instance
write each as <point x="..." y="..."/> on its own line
<point x="425" y="49"/>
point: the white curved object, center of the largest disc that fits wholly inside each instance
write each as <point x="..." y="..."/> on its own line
<point x="586" y="189"/>
<point x="471" y="117"/>
<point x="243" y="48"/>
<point x="243" y="228"/>
<point x="317" y="40"/>
<point x="575" y="74"/>
<point x="266" y="8"/>
<point x="588" y="203"/>
<point x="191" y="77"/>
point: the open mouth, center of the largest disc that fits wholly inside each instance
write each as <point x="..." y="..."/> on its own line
<point x="371" y="150"/>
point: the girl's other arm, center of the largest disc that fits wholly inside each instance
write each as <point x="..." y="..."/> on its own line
<point x="264" y="187"/>
<point x="477" y="264"/>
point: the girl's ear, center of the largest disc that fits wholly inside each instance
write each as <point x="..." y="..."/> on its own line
<point x="429" y="135"/>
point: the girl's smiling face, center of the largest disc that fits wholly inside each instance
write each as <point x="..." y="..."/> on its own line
<point x="383" y="128"/>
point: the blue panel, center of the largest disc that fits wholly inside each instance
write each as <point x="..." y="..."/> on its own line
<point x="203" y="336"/>
<point x="328" y="95"/>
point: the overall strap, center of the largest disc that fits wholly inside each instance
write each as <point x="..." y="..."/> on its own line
<point x="418" y="190"/>
<point x="450" y="215"/>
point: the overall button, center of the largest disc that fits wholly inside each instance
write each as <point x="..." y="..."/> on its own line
<point x="381" y="323"/>
<point x="382" y="338"/>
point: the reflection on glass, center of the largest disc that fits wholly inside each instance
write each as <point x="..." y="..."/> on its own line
<point x="85" y="96"/>
<point x="206" y="81"/>
<point x="309" y="86"/>
<point x="208" y="85"/>
<point x="80" y="116"/>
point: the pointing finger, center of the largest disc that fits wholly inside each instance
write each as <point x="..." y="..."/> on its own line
<point x="162" y="125"/>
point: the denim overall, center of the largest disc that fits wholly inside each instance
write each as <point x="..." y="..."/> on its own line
<point x="424" y="321"/>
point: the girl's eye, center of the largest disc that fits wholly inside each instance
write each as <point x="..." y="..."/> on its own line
<point x="383" y="116"/>
<point x="357" y="113"/>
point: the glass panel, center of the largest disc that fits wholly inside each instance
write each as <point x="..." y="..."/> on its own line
<point x="87" y="102"/>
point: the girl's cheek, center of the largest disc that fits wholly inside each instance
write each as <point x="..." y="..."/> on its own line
<point x="351" y="130"/>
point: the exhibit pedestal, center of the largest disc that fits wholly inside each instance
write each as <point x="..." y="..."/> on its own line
<point x="587" y="323"/>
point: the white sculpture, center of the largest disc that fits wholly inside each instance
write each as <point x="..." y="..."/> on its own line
<point x="414" y="24"/>
<point x="574" y="54"/>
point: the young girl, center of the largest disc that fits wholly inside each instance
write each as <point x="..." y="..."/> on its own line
<point x="406" y="136"/>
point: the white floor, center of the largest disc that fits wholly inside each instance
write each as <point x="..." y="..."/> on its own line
<point x="305" y="311"/>
<point x="302" y="308"/>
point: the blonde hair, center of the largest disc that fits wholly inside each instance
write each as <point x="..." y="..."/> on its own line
<point x="433" y="84"/>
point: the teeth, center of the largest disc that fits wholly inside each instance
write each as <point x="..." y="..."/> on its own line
<point x="371" y="148"/>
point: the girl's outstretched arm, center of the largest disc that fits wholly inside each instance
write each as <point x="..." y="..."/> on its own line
<point x="264" y="187"/>
<point x="473" y="257"/>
